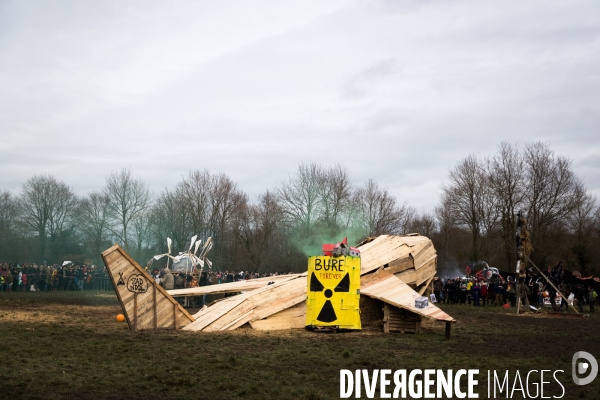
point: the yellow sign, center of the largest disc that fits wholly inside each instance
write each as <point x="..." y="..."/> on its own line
<point x="333" y="292"/>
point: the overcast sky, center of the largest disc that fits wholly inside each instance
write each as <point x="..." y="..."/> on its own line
<point x="397" y="91"/>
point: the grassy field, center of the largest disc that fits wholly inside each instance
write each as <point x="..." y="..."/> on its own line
<point x="68" y="345"/>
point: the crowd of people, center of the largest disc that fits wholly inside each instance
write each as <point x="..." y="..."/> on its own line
<point x="169" y="280"/>
<point x="501" y="292"/>
<point x="458" y="290"/>
<point x="181" y="279"/>
<point x="46" y="278"/>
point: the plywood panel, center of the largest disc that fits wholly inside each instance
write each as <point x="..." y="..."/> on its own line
<point x="393" y="291"/>
<point x="231" y="287"/>
<point x="251" y="306"/>
<point x="136" y="289"/>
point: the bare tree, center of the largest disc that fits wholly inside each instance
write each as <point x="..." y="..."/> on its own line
<point x="470" y="200"/>
<point x="94" y="220"/>
<point x="552" y="193"/>
<point x="335" y="194"/>
<point x="257" y="227"/>
<point x="301" y="197"/>
<point x="226" y="201"/>
<point x="205" y="204"/>
<point x="379" y="211"/>
<point x="142" y="234"/>
<point x="195" y="192"/>
<point x="171" y="217"/>
<point x="507" y="179"/>
<point x="47" y="206"/>
<point x="129" y="197"/>
<point x="9" y="213"/>
<point x="581" y="224"/>
<point x="424" y="224"/>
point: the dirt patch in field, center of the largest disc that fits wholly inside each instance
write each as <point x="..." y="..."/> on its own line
<point x="68" y="344"/>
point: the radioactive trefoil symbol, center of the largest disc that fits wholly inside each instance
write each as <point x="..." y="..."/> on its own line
<point x="327" y="313"/>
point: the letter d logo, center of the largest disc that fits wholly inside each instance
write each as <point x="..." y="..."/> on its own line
<point x="582" y="367"/>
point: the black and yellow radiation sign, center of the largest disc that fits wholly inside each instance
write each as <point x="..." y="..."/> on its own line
<point x="333" y="292"/>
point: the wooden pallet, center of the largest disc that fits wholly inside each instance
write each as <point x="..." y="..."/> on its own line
<point x="400" y="320"/>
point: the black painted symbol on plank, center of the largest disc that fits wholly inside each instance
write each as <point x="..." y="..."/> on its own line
<point x="315" y="284"/>
<point x="121" y="281"/>
<point x="327" y="313"/>
<point x="344" y="285"/>
<point x="137" y="284"/>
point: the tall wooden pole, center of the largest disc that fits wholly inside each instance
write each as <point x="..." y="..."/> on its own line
<point x="551" y="284"/>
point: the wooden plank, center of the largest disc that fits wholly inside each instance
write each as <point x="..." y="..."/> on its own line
<point x="146" y="303"/>
<point x="257" y="305"/>
<point x="219" y="310"/>
<point x="291" y="318"/>
<point x="232" y="287"/>
<point x="425" y="286"/>
<point x="175" y="317"/>
<point x="154" y="306"/>
<point x="135" y="319"/>
<point x="386" y="318"/>
<point x="401" y="264"/>
<point x="393" y="291"/>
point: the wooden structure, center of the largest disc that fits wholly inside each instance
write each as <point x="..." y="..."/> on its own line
<point x="400" y="320"/>
<point x="145" y="304"/>
<point x="280" y="302"/>
<point x="252" y="306"/>
<point x="411" y="258"/>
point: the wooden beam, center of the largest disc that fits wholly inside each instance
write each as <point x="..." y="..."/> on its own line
<point x="386" y="318"/>
<point x="448" y="327"/>
<point x="154" y="305"/>
<point x="175" y="315"/>
<point x="551" y="284"/>
<point x="135" y="312"/>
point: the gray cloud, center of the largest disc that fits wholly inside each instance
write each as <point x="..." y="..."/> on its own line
<point x="253" y="89"/>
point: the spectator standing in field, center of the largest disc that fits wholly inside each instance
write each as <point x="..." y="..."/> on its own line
<point x="484" y="292"/>
<point x="179" y="281"/>
<point x="55" y="279"/>
<point x="450" y="287"/>
<point x="476" y="290"/>
<point x="167" y="281"/>
<point x="80" y="278"/>
<point x="498" y="289"/>
<point x="66" y="278"/>
<point x="24" y="282"/>
<point x="437" y="288"/>
<point x="512" y="293"/>
<point x="203" y="282"/>
<point x="9" y="281"/>
<point x="469" y="292"/>
<point x="42" y="278"/>
<point x="579" y="295"/>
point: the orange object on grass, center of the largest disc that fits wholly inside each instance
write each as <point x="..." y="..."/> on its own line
<point x="120" y="318"/>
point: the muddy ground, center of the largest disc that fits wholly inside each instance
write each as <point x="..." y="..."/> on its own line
<point x="69" y="345"/>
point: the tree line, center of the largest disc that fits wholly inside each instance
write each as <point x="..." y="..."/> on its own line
<point x="474" y="220"/>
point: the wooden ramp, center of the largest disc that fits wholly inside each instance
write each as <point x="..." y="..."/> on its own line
<point x="145" y="304"/>
<point x="231" y="287"/>
<point x="393" y="291"/>
<point x="233" y="312"/>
